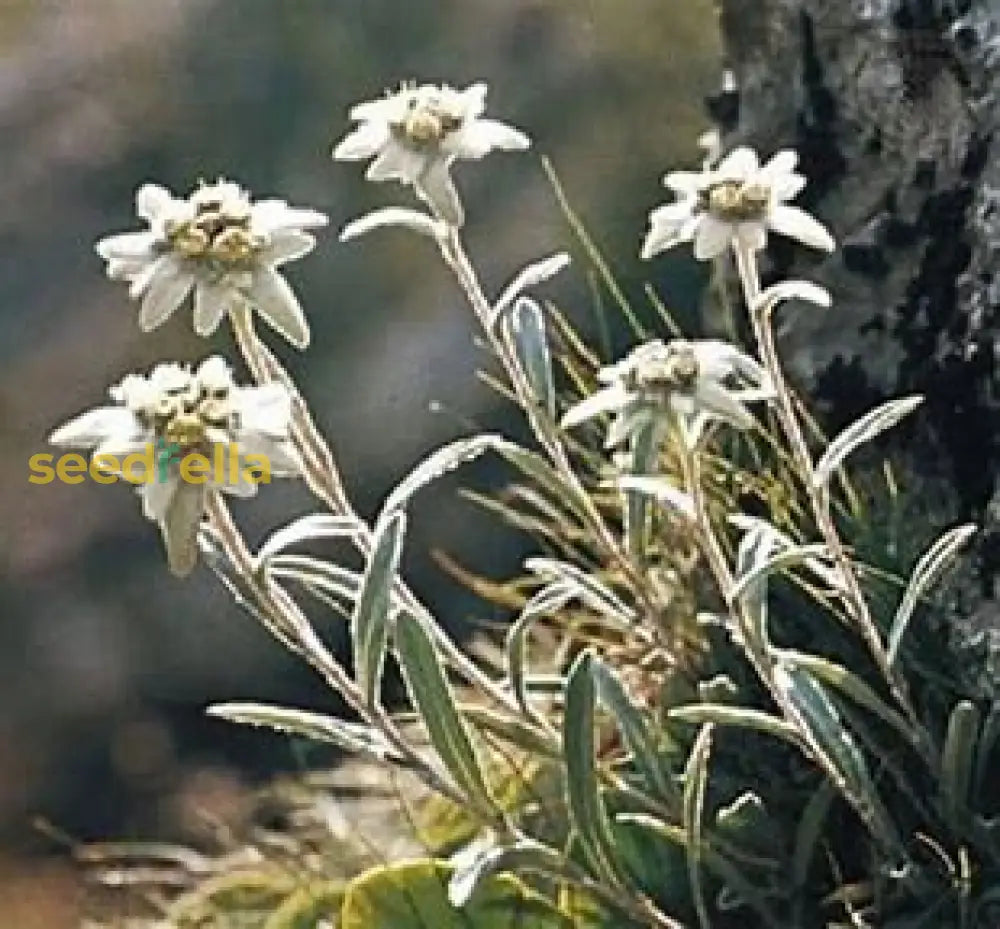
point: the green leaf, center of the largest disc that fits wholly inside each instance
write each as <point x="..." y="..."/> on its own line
<point x="852" y="686"/>
<point x="741" y="717"/>
<point x="695" y="782"/>
<point x="535" y="467"/>
<point x="586" y="805"/>
<point x="307" y="529"/>
<point x="372" y="611"/>
<point x="476" y="863"/>
<point x="414" y="895"/>
<point x="957" y="760"/>
<point x="305" y="908"/>
<point x="771" y="564"/>
<point x="589" y="589"/>
<point x="511" y="729"/>
<point x="808" y="831"/>
<point x="833" y="747"/>
<point x="928" y="571"/>
<point x="326" y="581"/>
<point x="438" y="463"/>
<point x="858" y="433"/>
<point x="547" y="600"/>
<point x="635" y="731"/>
<point x="351" y="737"/>
<point x="538" y="272"/>
<point x="524" y="330"/>
<point x="643" y="452"/>
<point x="432" y="697"/>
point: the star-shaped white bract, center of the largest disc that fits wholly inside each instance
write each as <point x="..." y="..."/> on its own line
<point x="698" y="381"/>
<point x="415" y="134"/>
<point x="219" y="244"/>
<point x="175" y="412"/>
<point x="734" y="204"/>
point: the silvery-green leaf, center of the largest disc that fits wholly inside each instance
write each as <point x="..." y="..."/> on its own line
<point x="987" y="742"/>
<point x="433" y="699"/>
<point x="590" y="590"/>
<point x="718" y="689"/>
<point x="535" y="467"/>
<point x="662" y="489"/>
<point x="771" y="564"/>
<point x="351" y="737"/>
<point x="393" y="216"/>
<point x="319" y="577"/>
<point x="644" y="450"/>
<point x="438" y="463"/>
<point x="307" y="529"/>
<point x="549" y="599"/>
<point x="528" y="277"/>
<point x="524" y="331"/>
<point x="852" y="686"/>
<point x="179" y="527"/>
<point x="791" y="290"/>
<point x="635" y="730"/>
<point x="741" y="717"/>
<point x="372" y="611"/>
<point x="928" y="571"/>
<point x="695" y="782"/>
<point x="809" y="830"/>
<point x="858" y="433"/>
<point x="525" y="855"/>
<point x="833" y="747"/>
<point x="957" y="759"/>
<point x="586" y="804"/>
<point x="512" y="729"/>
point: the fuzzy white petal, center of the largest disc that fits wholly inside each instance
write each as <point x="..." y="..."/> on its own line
<point x="286" y="245"/>
<point x="740" y="164"/>
<point x="277" y="304"/>
<point x="780" y="163"/>
<point x="167" y="288"/>
<point x="212" y="300"/>
<point x="605" y="400"/>
<point x="363" y="142"/>
<point x="669" y="225"/>
<point x="127" y="246"/>
<point x="389" y="109"/>
<point x="95" y="426"/>
<point x="435" y="187"/>
<point x="712" y="238"/>
<point x="687" y="183"/>
<point x="153" y="203"/>
<point x="474" y="99"/>
<point x="266" y="409"/>
<point x="798" y="224"/>
<point x="480" y="136"/>
<point x="273" y="215"/>
<point x="397" y="162"/>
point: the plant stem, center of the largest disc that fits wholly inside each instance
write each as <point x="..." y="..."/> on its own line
<point x="857" y="605"/>
<point x="321" y="474"/>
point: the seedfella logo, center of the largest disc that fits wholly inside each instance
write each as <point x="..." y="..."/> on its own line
<point x="159" y="462"/>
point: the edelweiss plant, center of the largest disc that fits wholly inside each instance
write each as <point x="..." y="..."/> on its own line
<point x="595" y="781"/>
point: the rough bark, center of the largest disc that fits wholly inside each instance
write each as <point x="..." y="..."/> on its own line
<point x="894" y="106"/>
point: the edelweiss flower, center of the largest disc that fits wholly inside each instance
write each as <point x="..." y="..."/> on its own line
<point x="162" y="420"/>
<point x="698" y="381"/>
<point x="734" y="203"/>
<point x="417" y="132"/>
<point x="220" y="244"/>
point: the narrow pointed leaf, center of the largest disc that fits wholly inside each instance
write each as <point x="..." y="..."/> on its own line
<point x="535" y="467"/>
<point x="929" y="569"/>
<point x="589" y="589"/>
<point x="528" y="277"/>
<point x="307" y="529"/>
<point x="738" y="716"/>
<point x="695" y="782"/>
<point x="370" y="622"/>
<point x="351" y="737"/>
<point x="433" y="699"/>
<point x="858" y="433"/>
<point x="524" y="331"/>
<point x="635" y="730"/>
<point x="957" y="762"/>
<point x="772" y="564"/>
<point x="438" y="463"/>
<point x="586" y="804"/>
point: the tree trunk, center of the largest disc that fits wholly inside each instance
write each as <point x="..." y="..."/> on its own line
<point x="894" y="107"/>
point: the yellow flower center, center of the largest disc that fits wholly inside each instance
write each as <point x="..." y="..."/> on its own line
<point x="220" y="231"/>
<point x="182" y="417"/>
<point x="428" y="121"/>
<point x="736" y="201"/>
<point x="676" y="371"/>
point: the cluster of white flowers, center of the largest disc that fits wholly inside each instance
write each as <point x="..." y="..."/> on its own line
<point x="227" y="248"/>
<point x="160" y="419"/>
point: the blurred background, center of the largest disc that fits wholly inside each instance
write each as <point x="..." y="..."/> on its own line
<point x="106" y="661"/>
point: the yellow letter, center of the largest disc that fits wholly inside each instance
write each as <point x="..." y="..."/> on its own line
<point x="148" y="461"/>
<point x="71" y="464"/>
<point x="194" y="468"/>
<point x="258" y="469"/>
<point x="41" y="469"/>
<point x="104" y="469"/>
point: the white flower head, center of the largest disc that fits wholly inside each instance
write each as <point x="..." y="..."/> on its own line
<point x="697" y="381"/>
<point x="162" y="419"/>
<point x="735" y="203"/>
<point x="220" y="244"/>
<point x="415" y="134"/>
